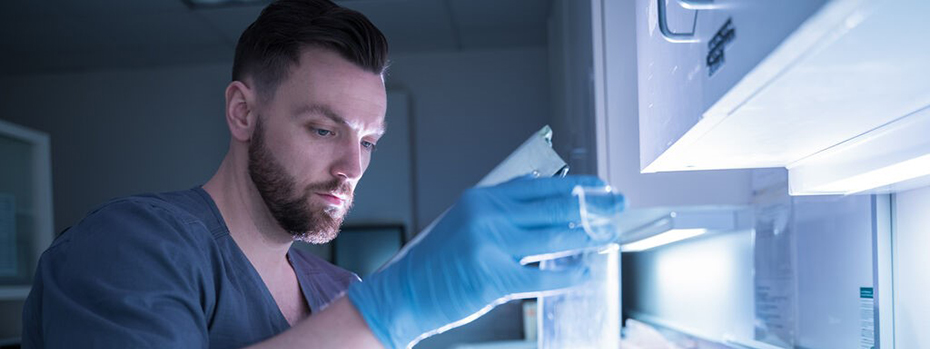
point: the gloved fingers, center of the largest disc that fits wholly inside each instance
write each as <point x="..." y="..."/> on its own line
<point x="600" y="212"/>
<point x="554" y="211"/>
<point x="537" y="241"/>
<point x="566" y="209"/>
<point x="531" y="189"/>
<point x="600" y="202"/>
<point x="535" y="280"/>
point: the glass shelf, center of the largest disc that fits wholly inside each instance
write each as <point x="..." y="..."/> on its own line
<point x="638" y="224"/>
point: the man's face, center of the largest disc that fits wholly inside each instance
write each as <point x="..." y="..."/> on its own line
<point x="313" y="141"/>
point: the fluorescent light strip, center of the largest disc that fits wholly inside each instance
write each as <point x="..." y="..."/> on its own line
<point x="899" y="172"/>
<point x="665" y="238"/>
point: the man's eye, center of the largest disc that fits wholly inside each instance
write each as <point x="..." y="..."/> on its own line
<point x="369" y="145"/>
<point x="322" y="132"/>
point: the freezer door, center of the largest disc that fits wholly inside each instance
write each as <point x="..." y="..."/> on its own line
<point x="691" y="52"/>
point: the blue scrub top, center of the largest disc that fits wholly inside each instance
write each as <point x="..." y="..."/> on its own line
<point x="161" y="271"/>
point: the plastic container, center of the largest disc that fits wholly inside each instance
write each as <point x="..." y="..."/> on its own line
<point x="587" y="316"/>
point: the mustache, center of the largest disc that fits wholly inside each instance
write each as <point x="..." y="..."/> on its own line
<point x="337" y="186"/>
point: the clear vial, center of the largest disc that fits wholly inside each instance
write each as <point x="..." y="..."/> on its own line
<point x="587" y="316"/>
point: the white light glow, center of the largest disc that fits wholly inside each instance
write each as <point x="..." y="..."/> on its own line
<point x="899" y="172"/>
<point x="665" y="238"/>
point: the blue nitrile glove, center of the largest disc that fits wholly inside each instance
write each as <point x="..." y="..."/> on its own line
<point x="469" y="261"/>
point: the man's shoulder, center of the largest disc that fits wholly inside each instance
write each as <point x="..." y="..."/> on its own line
<point x="154" y="204"/>
<point x="145" y="209"/>
<point x="163" y="216"/>
<point x="186" y="205"/>
<point x="133" y="260"/>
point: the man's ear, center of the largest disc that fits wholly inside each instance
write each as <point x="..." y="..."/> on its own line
<point x="240" y="110"/>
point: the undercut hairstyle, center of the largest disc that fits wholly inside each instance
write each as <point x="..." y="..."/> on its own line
<point x="272" y="44"/>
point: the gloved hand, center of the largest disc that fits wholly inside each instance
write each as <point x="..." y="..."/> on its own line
<point x="469" y="261"/>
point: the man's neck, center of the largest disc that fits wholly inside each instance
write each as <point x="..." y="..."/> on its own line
<point x="250" y="223"/>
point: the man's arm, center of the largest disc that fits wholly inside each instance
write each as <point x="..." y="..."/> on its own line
<point x="468" y="262"/>
<point x="131" y="278"/>
<point x="338" y="326"/>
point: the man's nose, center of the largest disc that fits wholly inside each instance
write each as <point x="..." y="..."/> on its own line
<point x="348" y="163"/>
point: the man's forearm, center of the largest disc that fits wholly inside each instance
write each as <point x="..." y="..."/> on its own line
<point x="338" y="326"/>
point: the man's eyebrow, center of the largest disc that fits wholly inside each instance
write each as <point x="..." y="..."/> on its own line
<point x="317" y="109"/>
<point x="327" y="112"/>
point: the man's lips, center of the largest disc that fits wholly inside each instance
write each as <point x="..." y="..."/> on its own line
<point x="332" y="199"/>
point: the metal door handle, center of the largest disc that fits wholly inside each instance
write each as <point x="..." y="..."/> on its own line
<point x="667" y="33"/>
<point x="699" y="4"/>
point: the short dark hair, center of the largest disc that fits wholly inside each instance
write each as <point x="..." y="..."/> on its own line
<point x="272" y="44"/>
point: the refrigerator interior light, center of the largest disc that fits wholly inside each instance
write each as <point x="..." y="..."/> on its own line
<point x="646" y="228"/>
<point x="892" y="157"/>
<point x="667" y="237"/>
<point x="883" y="177"/>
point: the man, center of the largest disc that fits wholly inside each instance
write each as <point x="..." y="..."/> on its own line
<point x="213" y="266"/>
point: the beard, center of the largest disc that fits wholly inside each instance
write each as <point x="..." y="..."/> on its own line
<point x="291" y="207"/>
